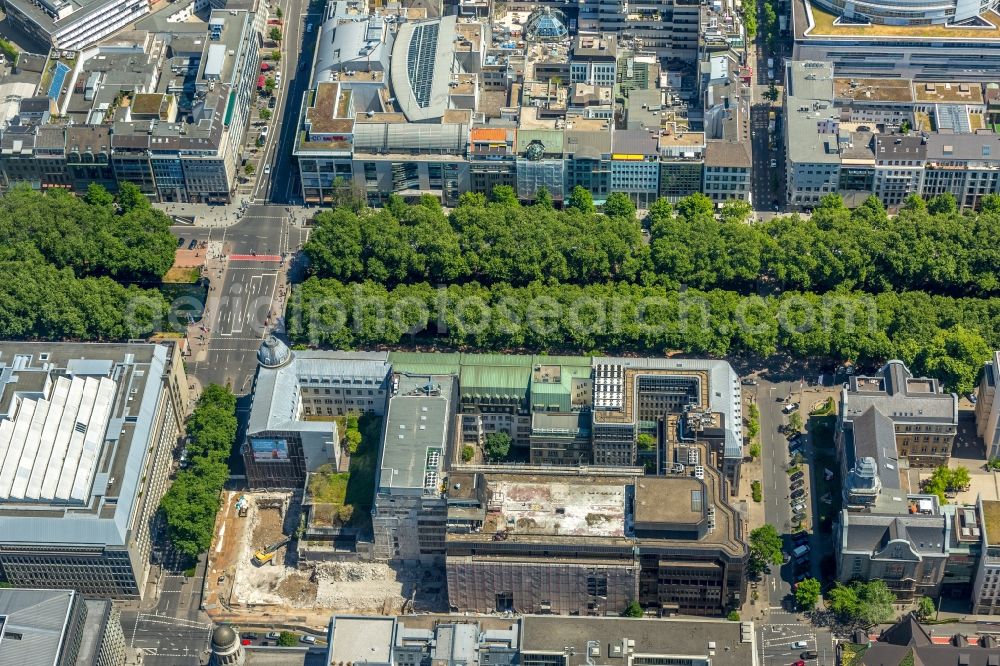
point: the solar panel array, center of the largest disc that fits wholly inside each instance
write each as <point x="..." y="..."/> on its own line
<point x="51" y="448"/>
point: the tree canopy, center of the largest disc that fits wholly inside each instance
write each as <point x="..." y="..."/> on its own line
<point x="807" y="593"/>
<point x="765" y="548"/>
<point x="931" y="248"/>
<point x="70" y="266"/>
<point x="497" y="446"/>
<point x="862" y="602"/>
<point x="191" y="503"/>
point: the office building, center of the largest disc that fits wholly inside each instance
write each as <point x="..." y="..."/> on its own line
<point x="589" y="541"/>
<point x="425" y="639"/>
<point x="409" y="513"/>
<point x="166" y="109"/>
<point x="907" y="549"/>
<point x="59" y="628"/>
<point x="923" y="417"/>
<point x="919" y="49"/>
<point x="87" y="435"/>
<point x="579" y="641"/>
<point x="988" y="407"/>
<point x="536" y="640"/>
<point x="296" y="395"/>
<point x="986" y="589"/>
<point x="908" y="639"/>
<point x="73" y="25"/>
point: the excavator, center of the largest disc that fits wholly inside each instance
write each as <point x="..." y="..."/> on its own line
<point x="266" y="554"/>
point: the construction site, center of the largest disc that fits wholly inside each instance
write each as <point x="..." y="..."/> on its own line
<point x="254" y="569"/>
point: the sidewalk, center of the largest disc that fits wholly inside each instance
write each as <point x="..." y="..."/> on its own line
<point x="205" y="215"/>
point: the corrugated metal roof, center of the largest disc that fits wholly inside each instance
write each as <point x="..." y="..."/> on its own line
<point x="39" y="618"/>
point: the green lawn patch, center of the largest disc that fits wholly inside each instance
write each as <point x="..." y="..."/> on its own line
<point x="756" y="491"/>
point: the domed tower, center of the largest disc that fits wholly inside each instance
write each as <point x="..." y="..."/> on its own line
<point x="273" y="353"/>
<point x="226" y="648"/>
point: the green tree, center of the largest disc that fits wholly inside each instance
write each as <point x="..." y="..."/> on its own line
<point x="543" y="198"/>
<point x="905" y="127"/>
<point x="866" y="603"/>
<point x="581" y="199"/>
<point x="269" y="85"/>
<point x="130" y="197"/>
<point x="287" y="639"/>
<point x="619" y="204"/>
<point x="736" y="211"/>
<point x="990" y="203"/>
<point x="734" y="616"/>
<point x="955" y="356"/>
<point x="352" y="440"/>
<point x="278" y="13"/>
<point x="274" y="34"/>
<point x="772" y="92"/>
<point x="807" y="593"/>
<point x="943" y="204"/>
<point x="925" y="608"/>
<point x="98" y="196"/>
<point x="497" y="446"/>
<point x="765" y="549"/>
<point x="795" y="421"/>
<point x="468" y="453"/>
<point x="249" y="169"/>
<point x="265" y="114"/>
<point x="755" y="450"/>
<point x="504" y="195"/>
<point x="276" y="55"/>
<point x="633" y="610"/>
<point x="645" y="442"/>
<point x="695" y="206"/>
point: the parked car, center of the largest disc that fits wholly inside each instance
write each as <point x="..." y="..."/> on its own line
<point x="795" y="446"/>
<point x="180" y="242"/>
<point x="246" y="641"/>
<point x="267" y="169"/>
<point x="307" y="639"/>
<point x="809" y="654"/>
<point x="798" y="507"/>
<point x="749" y="382"/>
<point x="273" y="635"/>
<point x="272" y="102"/>
<point x="797" y="484"/>
<point x="790" y="407"/>
<point x="796" y="476"/>
<point x="800" y="537"/>
<point x="193" y="244"/>
<point x="798" y="645"/>
<point x="798" y="493"/>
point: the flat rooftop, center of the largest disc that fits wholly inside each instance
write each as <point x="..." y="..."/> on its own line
<point x="578" y="506"/>
<point x="360" y="640"/>
<point x="991" y="521"/>
<point x="873" y="90"/>
<point x="963" y="93"/>
<point x="416" y="431"/>
<point x="677" y="499"/>
<point x="718" y="642"/>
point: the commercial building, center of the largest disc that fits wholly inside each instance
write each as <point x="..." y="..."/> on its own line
<point x="296" y="395"/>
<point x="924" y="419"/>
<point x="813" y="166"/>
<point x="73" y="25"/>
<point x="87" y="435"/>
<point x="165" y="109"/>
<point x="426" y="639"/>
<point x="908" y="550"/>
<point x="908" y="639"/>
<point x="986" y="589"/>
<point x="59" y="628"/>
<point x="409" y="513"/>
<point x="589" y="541"/>
<point x="578" y="641"/>
<point x="925" y="47"/>
<point x="988" y="407"/>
